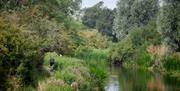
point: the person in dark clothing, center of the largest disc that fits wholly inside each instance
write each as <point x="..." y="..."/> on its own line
<point x="51" y="62"/>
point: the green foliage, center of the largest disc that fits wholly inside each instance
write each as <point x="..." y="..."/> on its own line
<point x="26" y="88"/>
<point x="88" y="71"/>
<point x="28" y="29"/>
<point x="66" y="76"/>
<point x="132" y="49"/>
<point x="143" y="11"/>
<point x="96" y="59"/>
<point x="140" y="23"/>
<point x="171" y="63"/>
<point x="99" y="17"/>
<point x="91" y="54"/>
<point x="122" y="49"/>
<point x="105" y="22"/>
<point x="49" y="86"/>
<point x="19" y="57"/>
<point x="169" y="22"/>
<point x="142" y="58"/>
<point x="133" y="13"/>
<point x="11" y="4"/>
<point x="58" y="88"/>
<point x="145" y="35"/>
<point x="122" y="21"/>
<point x="98" y="76"/>
<point x="71" y="70"/>
<point x="61" y="10"/>
<point x="31" y="28"/>
<point x="93" y="39"/>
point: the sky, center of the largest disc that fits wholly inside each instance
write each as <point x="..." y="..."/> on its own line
<point x="108" y="3"/>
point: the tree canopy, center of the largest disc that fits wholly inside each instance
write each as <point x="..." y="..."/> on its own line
<point x="132" y="13"/>
<point x="99" y="17"/>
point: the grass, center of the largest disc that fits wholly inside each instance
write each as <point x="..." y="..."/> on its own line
<point x="87" y="69"/>
<point x="94" y="56"/>
<point x="27" y="88"/>
<point x="45" y="86"/>
<point x="97" y="60"/>
<point x="172" y="65"/>
<point x="70" y="70"/>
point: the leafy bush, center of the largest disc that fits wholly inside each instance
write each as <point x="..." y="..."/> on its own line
<point x="19" y="55"/>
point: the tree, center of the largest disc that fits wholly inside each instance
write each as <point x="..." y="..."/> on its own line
<point x="133" y="13"/>
<point x="12" y="4"/>
<point x="143" y="11"/>
<point x="122" y="21"/>
<point x="25" y="29"/>
<point x="100" y="18"/>
<point x="61" y="10"/>
<point x="169" y="20"/>
<point x="91" y="15"/>
<point x="20" y="58"/>
<point x="105" y="22"/>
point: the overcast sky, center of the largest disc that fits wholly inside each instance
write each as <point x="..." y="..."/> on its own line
<point x="108" y="3"/>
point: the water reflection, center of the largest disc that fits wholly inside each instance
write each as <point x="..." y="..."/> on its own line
<point x="139" y="80"/>
<point x="156" y="84"/>
<point x="113" y="81"/>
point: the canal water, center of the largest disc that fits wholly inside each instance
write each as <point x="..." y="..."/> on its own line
<point x="121" y="79"/>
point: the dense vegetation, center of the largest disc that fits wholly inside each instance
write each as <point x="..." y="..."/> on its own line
<point x="137" y="34"/>
<point x="148" y="33"/>
<point x="30" y="29"/>
<point x="100" y="18"/>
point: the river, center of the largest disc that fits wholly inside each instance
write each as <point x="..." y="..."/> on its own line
<point x="121" y="79"/>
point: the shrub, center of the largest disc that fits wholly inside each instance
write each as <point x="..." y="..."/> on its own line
<point x="19" y="55"/>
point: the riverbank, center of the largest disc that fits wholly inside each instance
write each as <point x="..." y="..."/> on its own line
<point x="167" y="65"/>
<point x="124" y="79"/>
<point x="84" y="72"/>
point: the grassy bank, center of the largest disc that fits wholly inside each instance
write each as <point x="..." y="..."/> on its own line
<point x="67" y="71"/>
<point x="86" y="71"/>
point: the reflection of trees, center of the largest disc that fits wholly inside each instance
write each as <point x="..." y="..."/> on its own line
<point x="141" y="80"/>
<point x="156" y="84"/>
<point x="133" y="80"/>
<point x="173" y="83"/>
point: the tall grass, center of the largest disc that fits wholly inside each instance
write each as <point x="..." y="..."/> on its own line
<point x="171" y="63"/>
<point x="70" y="70"/>
<point x="87" y="68"/>
<point x="45" y="86"/>
<point x="97" y="60"/>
